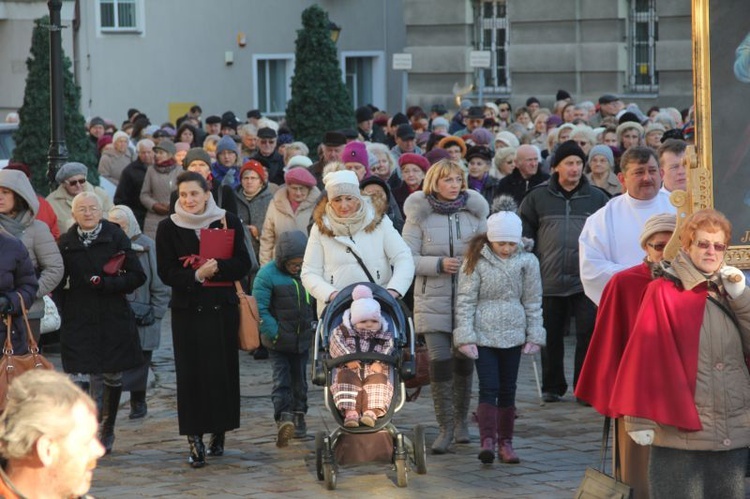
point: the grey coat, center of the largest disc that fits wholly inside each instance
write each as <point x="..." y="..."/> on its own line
<point x="36" y="236"/>
<point x="153" y="294"/>
<point x="254" y="212"/>
<point x="432" y="237"/>
<point x="499" y="305"/>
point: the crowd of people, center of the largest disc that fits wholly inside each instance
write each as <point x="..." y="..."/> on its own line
<point x="501" y="229"/>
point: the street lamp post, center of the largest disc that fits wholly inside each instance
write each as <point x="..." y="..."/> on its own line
<point x="58" y="151"/>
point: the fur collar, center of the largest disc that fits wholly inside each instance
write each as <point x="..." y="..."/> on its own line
<point x="417" y="208"/>
<point x="376" y="213"/>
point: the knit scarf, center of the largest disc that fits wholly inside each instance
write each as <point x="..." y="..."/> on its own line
<point x="447" y="207"/>
<point x="250" y="197"/>
<point x="89" y="236"/>
<point x="225" y="175"/>
<point x="347" y="226"/>
<point x="478" y="183"/>
<point x="165" y="166"/>
<point x="197" y="221"/>
<point x="15" y="225"/>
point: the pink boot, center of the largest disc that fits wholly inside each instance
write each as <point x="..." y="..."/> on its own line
<point x="506" y="417"/>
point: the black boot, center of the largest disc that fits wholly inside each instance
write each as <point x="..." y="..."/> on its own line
<point x="110" y="404"/>
<point x="138" y="407"/>
<point x="300" y="426"/>
<point x="197" y="457"/>
<point x="216" y="445"/>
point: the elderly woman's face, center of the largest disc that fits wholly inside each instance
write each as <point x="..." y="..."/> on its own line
<point x="707" y="251"/>
<point x="357" y="168"/>
<point x="599" y="165"/>
<point x="413" y="175"/>
<point x="116" y="217"/>
<point x="200" y="167"/>
<point x="507" y="166"/>
<point x="454" y="152"/>
<point x="297" y="193"/>
<point x="121" y="145"/>
<point x="87" y="213"/>
<point x="74" y="184"/>
<point x="630" y="138"/>
<point x="193" y="198"/>
<point x="382" y="168"/>
<point x="7" y="201"/>
<point x="344" y="206"/>
<point x="251" y="183"/>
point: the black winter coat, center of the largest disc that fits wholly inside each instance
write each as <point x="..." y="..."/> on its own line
<point x="16" y="276"/>
<point x="515" y="185"/>
<point x="98" y="333"/>
<point x="129" y="189"/>
<point x="204" y="329"/>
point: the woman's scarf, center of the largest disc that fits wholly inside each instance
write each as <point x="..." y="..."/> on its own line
<point x="196" y="222"/>
<point x="15" y="225"/>
<point x="447" y="207"/>
<point x="165" y="166"/>
<point x="477" y="184"/>
<point x="89" y="236"/>
<point x="350" y="225"/>
<point x="249" y="197"/>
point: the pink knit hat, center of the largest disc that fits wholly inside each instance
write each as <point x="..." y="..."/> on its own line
<point x="300" y="176"/>
<point x="355" y="152"/>
<point x="364" y="307"/>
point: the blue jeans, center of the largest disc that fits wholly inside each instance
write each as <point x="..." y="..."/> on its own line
<point x="497" y="371"/>
<point x="289" y="392"/>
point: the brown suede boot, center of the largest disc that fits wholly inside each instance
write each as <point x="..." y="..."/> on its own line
<point x="506" y="417"/>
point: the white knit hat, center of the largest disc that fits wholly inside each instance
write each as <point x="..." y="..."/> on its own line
<point x="364" y="307"/>
<point x="504" y="226"/>
<point x="342" y="183"/>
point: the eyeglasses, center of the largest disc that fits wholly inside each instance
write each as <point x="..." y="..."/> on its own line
<point x="704" y="245"/>
<point x="657" y="246"/>
<point x="267" y="141"/>
<point x="88" y="209"/>
<point x="298" y="188"/>
<point x="73" y="183"/>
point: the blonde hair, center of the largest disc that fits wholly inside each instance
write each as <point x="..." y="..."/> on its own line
<point x="442" y="169"/>
<point x="40" y="403"/>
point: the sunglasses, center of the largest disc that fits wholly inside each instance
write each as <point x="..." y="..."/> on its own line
<point x="704" y="245"/>
<point x="657" y="246"/>
<point x="76" y="182"/>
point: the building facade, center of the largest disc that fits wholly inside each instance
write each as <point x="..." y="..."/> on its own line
<point x="162" y="56"/>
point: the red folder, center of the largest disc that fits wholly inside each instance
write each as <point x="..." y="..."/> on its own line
<point x="218" y="244"/>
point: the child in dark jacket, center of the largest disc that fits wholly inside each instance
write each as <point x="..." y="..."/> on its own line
<point x="286" y="312"/>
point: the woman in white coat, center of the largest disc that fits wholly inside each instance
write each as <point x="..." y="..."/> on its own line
<point x="346" y="224"/>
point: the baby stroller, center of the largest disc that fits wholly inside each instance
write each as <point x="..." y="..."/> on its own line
<point x="364" y="444"/>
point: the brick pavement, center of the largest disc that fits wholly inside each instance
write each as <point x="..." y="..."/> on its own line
<point x="555" y="442"/>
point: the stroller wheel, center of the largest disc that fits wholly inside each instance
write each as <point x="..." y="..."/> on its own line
<point x="420" y="450"/>
<point x="320" y="448"/>
<point x="329" y="473"/>
<point x="402" y="479"/>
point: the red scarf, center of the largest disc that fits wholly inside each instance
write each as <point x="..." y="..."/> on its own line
<point x="614" y="322"/>
<point x="657" y="375"/>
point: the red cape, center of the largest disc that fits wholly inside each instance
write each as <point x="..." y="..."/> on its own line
<point x="658" y="371"/>
<point x="614" y="322"/>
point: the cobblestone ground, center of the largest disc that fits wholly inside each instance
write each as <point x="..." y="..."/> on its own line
<point x="556" y="442"/>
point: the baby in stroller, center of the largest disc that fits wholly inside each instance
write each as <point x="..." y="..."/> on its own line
<point x="362" y="390"/>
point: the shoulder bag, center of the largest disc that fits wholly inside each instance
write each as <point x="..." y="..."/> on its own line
<point x="596" y="483"/>
<point x="249" y="331"/>
<point x="11" y="365"/>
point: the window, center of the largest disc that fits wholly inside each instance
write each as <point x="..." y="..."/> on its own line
<point x="118" y="15"/>
<point x="272" y="89"/>
<point x="494" y="36"/>
<point x="643" y="31"/>
<point x="359" y="80"/>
